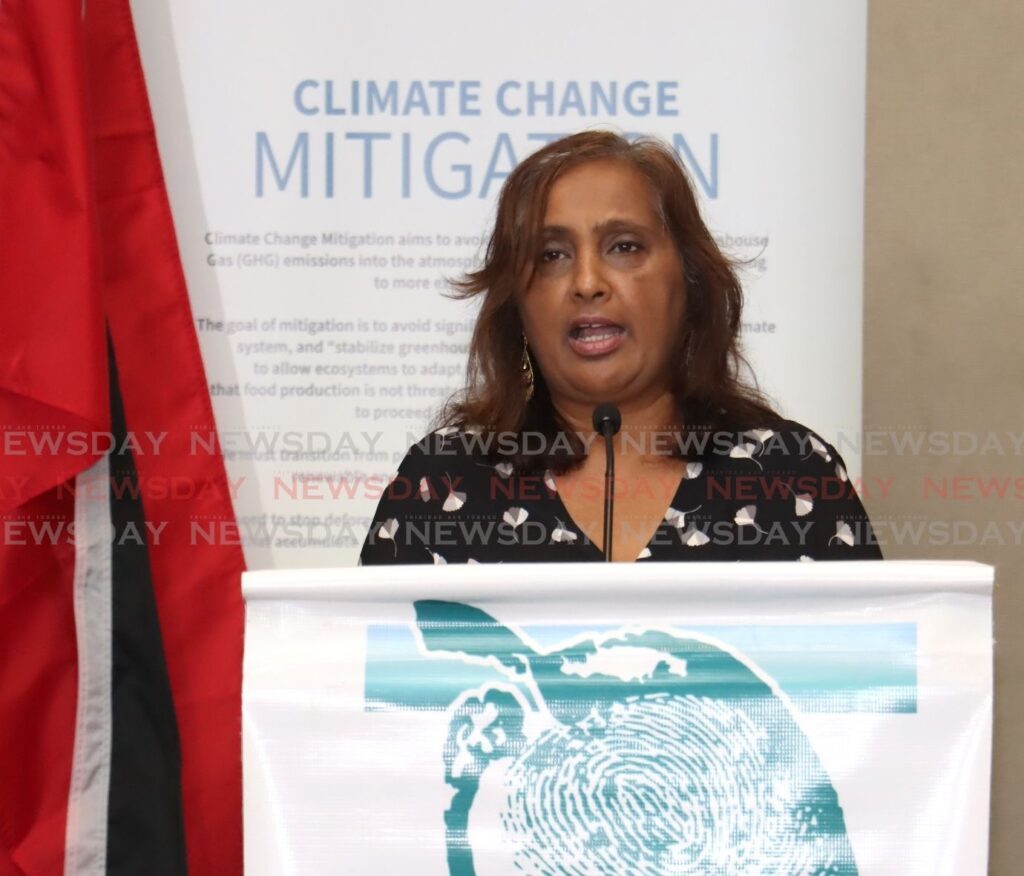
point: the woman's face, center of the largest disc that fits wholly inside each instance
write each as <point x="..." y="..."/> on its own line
<point x="607" y="297"/>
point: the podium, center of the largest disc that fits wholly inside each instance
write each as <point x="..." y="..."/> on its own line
<point x="669" y="718"/>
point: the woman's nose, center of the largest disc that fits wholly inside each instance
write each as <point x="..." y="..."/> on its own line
<point x="590" y="280"/>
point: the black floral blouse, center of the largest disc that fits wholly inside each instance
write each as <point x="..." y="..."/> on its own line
<point x="761" y="494"/>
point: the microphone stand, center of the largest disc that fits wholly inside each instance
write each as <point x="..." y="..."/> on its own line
<point x="608" y="421"/>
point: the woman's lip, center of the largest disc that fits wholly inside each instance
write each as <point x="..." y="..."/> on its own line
<point x="610" y="339"/>
<point x="583" y="321"/>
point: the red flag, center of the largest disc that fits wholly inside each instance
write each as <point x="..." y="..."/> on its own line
<point x="53" y="382"/>
<point x="88" y="242"/>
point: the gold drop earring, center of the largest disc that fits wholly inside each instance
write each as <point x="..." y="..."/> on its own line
<point x="527" y="370"/>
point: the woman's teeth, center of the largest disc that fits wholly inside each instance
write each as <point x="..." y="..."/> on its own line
<point x="596" y="340"/>
<point x="596" y="332"/>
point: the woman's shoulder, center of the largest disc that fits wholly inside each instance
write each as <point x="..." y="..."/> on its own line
<point x="451" y="451"/>
<point x="783" y="444"/>
<point x="796" y="438"/>
<point x="451" y="442"/>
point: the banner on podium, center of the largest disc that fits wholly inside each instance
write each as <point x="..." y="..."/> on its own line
<point x="671" y="719"/>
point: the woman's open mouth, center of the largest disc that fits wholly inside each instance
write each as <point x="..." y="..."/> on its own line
<point x="596" y="337"/>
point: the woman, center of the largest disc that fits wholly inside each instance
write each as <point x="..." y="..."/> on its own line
<point x="601" y="283"/>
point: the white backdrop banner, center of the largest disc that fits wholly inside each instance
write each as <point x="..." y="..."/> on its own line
<point x="745" y="719"/>
<point x="331" y="164"/>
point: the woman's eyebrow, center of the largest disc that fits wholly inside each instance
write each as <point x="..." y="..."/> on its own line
<point x="605" y="227"/>
<point x="613" y="225"/>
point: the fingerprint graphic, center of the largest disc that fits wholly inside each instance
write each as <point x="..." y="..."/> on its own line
<point x="670" y="785"/>
<point x="656" y="754"/>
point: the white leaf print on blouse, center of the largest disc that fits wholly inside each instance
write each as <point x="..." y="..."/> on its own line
<point x="387" y="531"/>
<point x="424" y="490"/>
<point x="678" y="518"/>
<point x="455" y="499"/>
<point x="841" y="473"/>
<point x="818" y="447"/>
<point x="803" y="503"/>
<point x="745" y="451"/>
<point x="437" y="558"/>
<point x="693" y="469"/>
<point x="693" y="537"/>
<point x="549" y="481"/>
<point x="843" y="533"/>
<point x="515" y="517"/>
<point x="562" y="534"/>
<point x="759" y="435"/>
<point x="504" y="469"/>
<point x="745" y="517"/>
<point x="644" y="554"/>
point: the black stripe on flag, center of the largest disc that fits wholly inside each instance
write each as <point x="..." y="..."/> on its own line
<point x="146" y="827"/>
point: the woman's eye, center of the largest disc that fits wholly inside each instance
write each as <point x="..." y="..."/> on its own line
<point x="551" y="255"/>
<point x="626" y="246"/>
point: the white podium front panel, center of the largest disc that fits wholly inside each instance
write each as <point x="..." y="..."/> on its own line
<point x="727" y="719"/>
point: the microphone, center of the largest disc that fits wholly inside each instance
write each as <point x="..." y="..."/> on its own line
<point x="608" y="421"/>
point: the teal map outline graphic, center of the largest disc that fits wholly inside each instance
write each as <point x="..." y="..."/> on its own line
<point x="634" y="750"/>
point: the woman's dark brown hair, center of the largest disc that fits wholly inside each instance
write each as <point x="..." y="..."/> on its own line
<point x="707" y="382"/>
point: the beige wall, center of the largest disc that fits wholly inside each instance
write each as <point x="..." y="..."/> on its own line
<point x="944" y="305"/>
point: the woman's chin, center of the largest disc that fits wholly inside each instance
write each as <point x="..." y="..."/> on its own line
<point x="606" y="385"/>
<point x="599" y="395"/>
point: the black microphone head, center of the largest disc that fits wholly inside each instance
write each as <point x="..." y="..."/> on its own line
<point x="607" y="419"/>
